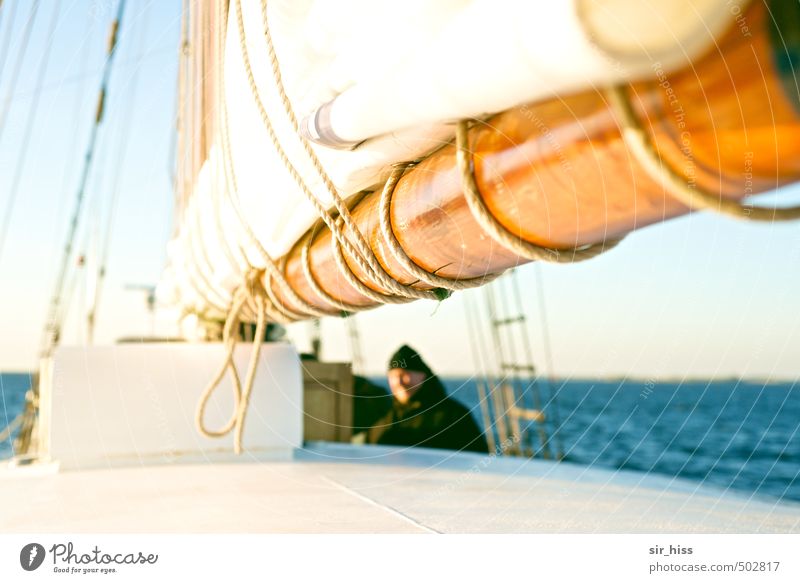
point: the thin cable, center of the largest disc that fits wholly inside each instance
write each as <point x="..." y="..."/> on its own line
<point x="9" y="33"/>
<point x="87" y="74"/>
<point x="71" y="287"/>
<point x="119" y="165"/>
<point x="482" y="382"/>
<point x="548" y="359"/>
<point x="496" y="390"/>
<point x="81" y="193"/>
<point x="74" y="133"/>
<point x="527" y="353"/>
<point x="26" y="139"/>
<point x="23" y="49"/>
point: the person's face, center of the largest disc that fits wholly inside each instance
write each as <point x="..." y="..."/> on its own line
<point x="404" y="383"/>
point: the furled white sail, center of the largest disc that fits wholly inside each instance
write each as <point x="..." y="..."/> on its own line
<point x="492" y="55"/>
<point x="390" y="77"/>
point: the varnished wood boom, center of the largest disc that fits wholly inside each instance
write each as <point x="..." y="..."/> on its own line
<point x="558" y="173"/>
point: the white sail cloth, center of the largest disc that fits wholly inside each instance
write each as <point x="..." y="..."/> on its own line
<point x="490" y="55"/>
<point x="394" y="75"/>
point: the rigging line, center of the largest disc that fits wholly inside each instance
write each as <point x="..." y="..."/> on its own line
<point x="495" y="390"/>
<point x="511" y="385"/>
<point x="172" y="148"/>
<point x="357" y="365"/>
<point x="71" y="287"/>
<point x="2" y="12"/>
<point x="78" y="104"/>
<point x="532" y="382"/>
<point x="481" y="377"/>
<point x="489" y="366"/>
<point x="60" y="318"/>
<point x="73" y="226"/>
<point x="86" y="74"/>
<point x="24" y="147"/>
<point x="26" y="37"/>
<point x="74" y="279"/>
<point x="181" y="186"/>
<point x="9" y="33"/>
<point x="548" y="359"/>
<point x="513" y="241"/>
<point x="115" y="189"/>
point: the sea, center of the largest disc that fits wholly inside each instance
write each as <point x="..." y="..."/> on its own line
<point x="741" y="435"/>
<point x="12" y="400"/>
<point x="733" y="434"/>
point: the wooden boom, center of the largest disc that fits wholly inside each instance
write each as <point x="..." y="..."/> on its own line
<point x="559" y="174"/>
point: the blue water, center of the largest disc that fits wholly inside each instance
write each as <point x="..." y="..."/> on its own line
<point x="12" y="400"/>
<point x="733" y="434"/>
<point x="738" y="435"/>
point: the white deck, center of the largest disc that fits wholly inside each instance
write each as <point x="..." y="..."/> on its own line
<point x="331" y="488"/>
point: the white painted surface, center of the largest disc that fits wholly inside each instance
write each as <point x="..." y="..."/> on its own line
<point x="369" y="489"/>
<point x="135" y="403"/>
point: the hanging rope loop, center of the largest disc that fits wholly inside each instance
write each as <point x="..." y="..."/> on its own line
<point x="250" y="291"/>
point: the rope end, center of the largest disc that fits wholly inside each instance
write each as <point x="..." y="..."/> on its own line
<point x="442" y="293"/>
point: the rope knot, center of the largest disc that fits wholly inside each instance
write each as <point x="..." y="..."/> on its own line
<point x="253" y="279"/>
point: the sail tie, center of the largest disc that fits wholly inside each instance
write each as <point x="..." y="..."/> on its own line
<point x="345" y="307"/>
<point x="514" y="243"/>
<point x="431" y="278"/>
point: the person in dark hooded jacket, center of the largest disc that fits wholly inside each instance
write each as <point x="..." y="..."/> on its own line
<point x="422" y="414"/>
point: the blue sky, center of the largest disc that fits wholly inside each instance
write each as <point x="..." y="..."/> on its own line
<point x="146" y="70"/>
<point x="697" y="296"/>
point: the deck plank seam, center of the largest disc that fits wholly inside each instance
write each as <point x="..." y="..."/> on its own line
<point x="385" y="507"/>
